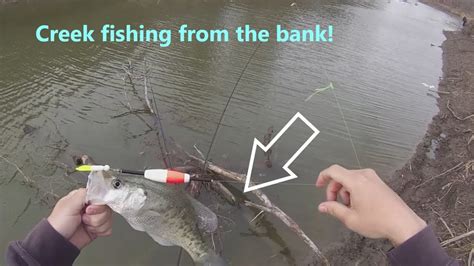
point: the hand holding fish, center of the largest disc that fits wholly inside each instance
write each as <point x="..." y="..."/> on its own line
<point x="78" y="223"/>
<point x="369" y="207"/>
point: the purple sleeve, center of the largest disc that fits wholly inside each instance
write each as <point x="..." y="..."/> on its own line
<point x="42" y="246"/>
<point x="422" y="249"/>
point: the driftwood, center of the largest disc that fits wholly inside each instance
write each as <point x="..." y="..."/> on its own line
<point x="147" y="100"/>
<point x="224" y="192"/>
<point x="440" y="92"/>
<point x="267" y="206"/>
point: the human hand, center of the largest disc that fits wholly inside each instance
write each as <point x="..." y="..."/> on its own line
<point x="80" y="224"/>
<point x="369" y="207"/>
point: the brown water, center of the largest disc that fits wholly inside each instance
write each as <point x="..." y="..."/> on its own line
<point x="70" y="94"/>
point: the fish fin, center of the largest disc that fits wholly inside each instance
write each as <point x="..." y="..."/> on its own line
<point x="210" y="259"/>
<point x="160" y="240"/>
<point x="207" y="219"/>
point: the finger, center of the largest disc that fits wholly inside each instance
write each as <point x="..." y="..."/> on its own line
<point x="96" y="219"/>
<point x="345" y="197"/>
<point x="337" y="173"/>
<point x="332" y="190"/>
<point x="336" y="209"/>
<point x="81" y="237"/>
<point x="96" y="209"/>
<point x="106" y="233"/>
<point x="100" y="229"/>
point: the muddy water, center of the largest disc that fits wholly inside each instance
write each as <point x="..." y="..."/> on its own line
<point x="62" y="99"/>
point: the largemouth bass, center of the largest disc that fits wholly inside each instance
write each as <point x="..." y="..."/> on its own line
<point x="165" y="212"/>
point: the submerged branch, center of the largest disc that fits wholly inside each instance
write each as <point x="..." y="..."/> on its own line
<point x="27" y="179"/>
<point x="147" y="100"/>
<point x="22" y="212"/>
<point x="131" y="112"/>
<point x="267" y="206"/>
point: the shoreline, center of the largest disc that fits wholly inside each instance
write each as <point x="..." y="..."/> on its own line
<point x="437" y="182"/>
<point x="448" y="9"/>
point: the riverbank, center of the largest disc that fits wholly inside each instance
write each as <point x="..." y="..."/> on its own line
<point x="438" y="181"/>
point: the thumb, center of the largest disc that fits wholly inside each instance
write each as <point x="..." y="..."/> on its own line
<point x="336" y="209"/>
<point x="76" y="200"/>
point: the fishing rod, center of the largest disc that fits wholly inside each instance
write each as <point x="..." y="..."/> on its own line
<point x="227" y="104"/>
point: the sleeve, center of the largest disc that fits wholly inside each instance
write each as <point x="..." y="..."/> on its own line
<point x="42" y="246"/>
<point x="422" y="249"/>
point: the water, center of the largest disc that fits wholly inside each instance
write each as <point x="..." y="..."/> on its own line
<point x="70" y="94"/>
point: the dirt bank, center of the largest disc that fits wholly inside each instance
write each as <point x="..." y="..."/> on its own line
<point x="438" y="181"/>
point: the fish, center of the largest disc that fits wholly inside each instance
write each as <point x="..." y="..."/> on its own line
<point x="169" y="215"/>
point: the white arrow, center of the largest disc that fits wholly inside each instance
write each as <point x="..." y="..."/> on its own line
<point x="256" y="143"/>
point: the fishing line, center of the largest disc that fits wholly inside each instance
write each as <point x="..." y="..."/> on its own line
<point x="160" y="125"/>
<point x="345" y="123"/>
<point x="227" y="105"/>
<point x="179" y="256"/>
<point x="298" y="10"/>
<point x="220" y="121"/>
<point x="255" y="183"/>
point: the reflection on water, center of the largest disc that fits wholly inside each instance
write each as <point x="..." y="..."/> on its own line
<point x="58" y="99"/>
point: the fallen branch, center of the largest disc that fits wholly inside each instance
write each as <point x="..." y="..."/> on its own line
<point x="454" y="239"/>
<point x="129" y="105"/>
<point x="18" y="217"/>
<point x="163" y="148"/>
<point x="224" y="192"/>
<point x="440" y="92"/>
<point x="257" y="206"/>
<point x="267" y="206"/>
<point x="218" y="186"/>
<point x="131" y="113"/>
<point x="147" y="100"/>
<point x="129" y="71"/>
<point x="457" y="116"/>
<point x="27" y="179"/>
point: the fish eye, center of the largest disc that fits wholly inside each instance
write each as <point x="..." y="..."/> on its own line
<point x="116" y="183"/>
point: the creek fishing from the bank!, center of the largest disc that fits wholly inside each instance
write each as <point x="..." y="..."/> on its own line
<point x="172" y="96"/>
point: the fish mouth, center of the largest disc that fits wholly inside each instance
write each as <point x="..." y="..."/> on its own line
<point x="96" y="188"/>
